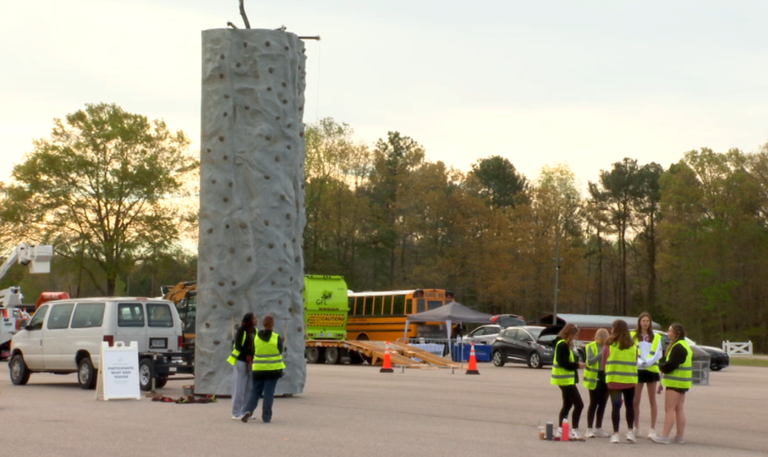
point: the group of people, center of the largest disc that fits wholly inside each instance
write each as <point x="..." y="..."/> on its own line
<point x="619" y="365"/>
<point x="257" y="360"/>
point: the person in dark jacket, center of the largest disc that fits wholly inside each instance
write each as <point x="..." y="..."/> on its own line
<point x="268" y="368"/>
<point x="242" y="359"/>
<point x="566" y="376"/>
<point x="677" y="367"/>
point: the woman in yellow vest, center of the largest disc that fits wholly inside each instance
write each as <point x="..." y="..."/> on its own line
<point x="594" y="381"/>
<point x="268" y="368"/>
<point x="565" y="376"/>
<point x="241" y="360"/>
<point x="649" y="353"/>
<point x="620" y="356"/>
<point x="678" y="378"/>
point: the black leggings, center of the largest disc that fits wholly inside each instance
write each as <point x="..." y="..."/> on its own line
<point x="571" y="397"/>
<point x="598" y="398"/>
<point x="629" y="403"/>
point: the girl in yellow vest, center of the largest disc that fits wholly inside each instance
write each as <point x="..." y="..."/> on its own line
<point x="677" y="367"/>
<point x="268" y="368"/>
<point x="649" y="353"/>
<point x="241" y="359"/>
<point x="594" y="381"/>
<point x="565" y="376"/>
<point x="620" y="356"/>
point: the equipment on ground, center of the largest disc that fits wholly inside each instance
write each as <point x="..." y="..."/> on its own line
<point x="12" y="316"/>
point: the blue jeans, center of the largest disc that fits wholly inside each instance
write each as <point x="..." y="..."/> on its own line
<point x="267" y="388"/>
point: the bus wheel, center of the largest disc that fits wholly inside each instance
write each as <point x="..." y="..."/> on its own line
<point x="332" y="356"/>
<point x="315" y="355"/>
<point x="362" y="337"/>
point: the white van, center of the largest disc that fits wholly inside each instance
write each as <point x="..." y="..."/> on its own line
<point x="65" y="336"/>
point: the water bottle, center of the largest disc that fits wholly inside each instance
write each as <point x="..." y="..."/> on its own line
<point x="550" y="431"/>
<point x="566" y="430"/>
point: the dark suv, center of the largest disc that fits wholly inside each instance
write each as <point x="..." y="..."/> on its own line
<point x="508" y="320"/>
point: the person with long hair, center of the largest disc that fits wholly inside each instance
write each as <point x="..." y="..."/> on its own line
<point x="677" y="367"/>
<point x="620" y="358"/>
<point x="268" y="368"/>
<point x="241" y="360"/>
<point x="594" y="381"/>
<point x="565" y="376"/>
<point x="650" y="352"/>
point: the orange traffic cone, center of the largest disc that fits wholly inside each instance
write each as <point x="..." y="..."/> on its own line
<point x="472" y="369"/>
<point x="386" y="367"/>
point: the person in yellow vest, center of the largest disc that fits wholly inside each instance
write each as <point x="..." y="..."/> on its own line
<point x="594" y="381"/>
<point x="677" y="367"/>
<point x="649" y="353"/>
<point x="241" y="360"/>
<point x="268" y="368"/>
<point x="620" y="356"/>
<point x="565" y="376"/>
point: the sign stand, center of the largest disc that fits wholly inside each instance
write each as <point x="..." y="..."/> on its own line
<point x="118" y="372"/>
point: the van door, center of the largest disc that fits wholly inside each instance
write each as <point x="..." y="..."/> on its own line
<point x="132" y="324"/>
<point x="30" y="341"/>
<point x="56" y="341"/>
<point x="85" y="331"/>
<point x="163" y="327"/>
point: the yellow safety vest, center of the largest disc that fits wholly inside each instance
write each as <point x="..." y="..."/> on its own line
<point x="267" y="357"/>
<point x="561" y="376"/>
<point x="621" y="365"/>
<point x="654" y="347"/>
<point x="232" y="359"/>
<point x="682" y="377"/>
<point x="591" y="369"/>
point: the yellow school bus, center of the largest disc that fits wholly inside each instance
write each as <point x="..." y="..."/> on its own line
<point x="380" y="316"/>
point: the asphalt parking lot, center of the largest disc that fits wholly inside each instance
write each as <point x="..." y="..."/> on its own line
<point x="355" y="410"/>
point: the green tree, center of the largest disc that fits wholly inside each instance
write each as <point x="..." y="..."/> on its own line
<point x="500" y="183"/>
<point x="616" y="194"/>
<point x="394" y="162"/>
<point x="104" y="189"/>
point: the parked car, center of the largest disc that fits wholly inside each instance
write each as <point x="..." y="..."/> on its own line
<point x="65" y="336"/>
<point x="508" y="320"/>
<point x="523" y="345"/>
<point x="718" y="359"/>
<point x="485" y="334"/>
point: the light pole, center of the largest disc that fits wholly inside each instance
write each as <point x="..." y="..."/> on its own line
<point x="557" y="269"/>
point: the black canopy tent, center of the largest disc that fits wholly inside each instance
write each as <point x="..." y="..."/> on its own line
<point x="452" y="312"/>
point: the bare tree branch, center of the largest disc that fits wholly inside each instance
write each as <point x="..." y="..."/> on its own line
<point x="245" y="16"/>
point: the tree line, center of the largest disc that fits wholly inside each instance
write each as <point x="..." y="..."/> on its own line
<point x="115" y="194"/>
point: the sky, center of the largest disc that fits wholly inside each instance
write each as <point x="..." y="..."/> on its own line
<point x="583" y="83"/>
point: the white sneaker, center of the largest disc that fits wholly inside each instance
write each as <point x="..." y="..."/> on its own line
<point x="660" y="439"/>
<point x="631" y="436"/>
<point x="590" y="433"/>
<point x="651" y="433"/>
<point x="559" y="433"/>
<point x="678" y="439"/>
<point x="615" y="438"/>
<point x="236" y="418"/>
<point x="600" y="433"/>
<point x="576" y="435"/>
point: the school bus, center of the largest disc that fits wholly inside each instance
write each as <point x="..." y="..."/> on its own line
<point x="381" y="316"/>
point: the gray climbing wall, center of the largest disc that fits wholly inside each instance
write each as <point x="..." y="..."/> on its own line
<point x="251" y="198"/>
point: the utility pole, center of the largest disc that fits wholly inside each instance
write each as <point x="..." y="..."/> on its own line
<point x="557" y="269"/>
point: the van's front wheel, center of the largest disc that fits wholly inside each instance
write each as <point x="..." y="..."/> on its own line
<point x="86" y="374"/>
<point x="19" y="371"/>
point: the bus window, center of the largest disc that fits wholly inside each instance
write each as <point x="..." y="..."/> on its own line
<point x="398" y="304"/>
<point x="434" y="304"/>
<point x="420" y="305"/>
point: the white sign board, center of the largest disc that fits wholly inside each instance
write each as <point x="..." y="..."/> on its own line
<point x="119" y="372"/>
